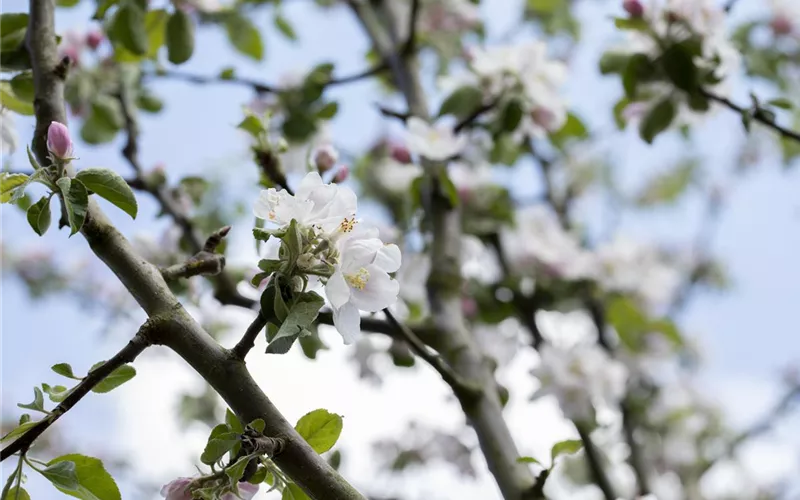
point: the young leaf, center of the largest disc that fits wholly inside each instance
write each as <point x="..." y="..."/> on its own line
<point x="180" y="37"/>
<point x="236" y="471"/>
<point x="76" y="200"/>
<point x="218" y="446"/>
<point x="320" y="428"/>
<point x="32" y="159"/>
<point x="12" y="102"/>
<point x="680" y="68"/>
<point x="62" y="475"/>
<point x="22" y="85"/>
<point x="38" y="401"/>
<point x="528" y="460"/>
<point x="233" y="421"/>
<point x="56" y="393"/>
<point x="17" y="493"/>
<point x="252" y="125"/>
<point x="94" y="481"/>
<point x="328" y="111"/>
<point x="301" y="315"/>
<point x="293" y="492"/>
<point x="780" y="103"/>
<point x="110" y="186"/>
<point x="569" y="446"/>
<point x="65" y="370"/>
<point x="462" y="102"/>
<point x="657" y="120"/>
<point x="10" y="182"/>
<point x="284" y="27"/>
<point x="257" y="424"/>
<point x="244" y="36"/>
<point x="18" y="431"/>
<point x="39" y="215"/>
<point x="128" y="28"/>
<point x="115" y="379"/>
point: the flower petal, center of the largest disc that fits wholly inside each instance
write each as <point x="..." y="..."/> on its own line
<point x="347" y="321"/>
<point x="379" y="292"/>
<point x="388" y="258"/>
<point x="337" y="291"/>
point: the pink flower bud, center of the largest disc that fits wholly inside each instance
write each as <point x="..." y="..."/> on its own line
<point x="94" y="39"/>
<point x="58" y="140"/>
<point x="469" y="307"/>
<point x="781" y="25"/>
<point x="342" y="174"/>
<point x="400" y="153"/>
<point x="544" y="118"/>
<point x="73" y="53"/>
<point x="246" y="492"/>
<point x="325" y="158"/>
<point x="634" y="8"/>
<point x="177" y="489"/>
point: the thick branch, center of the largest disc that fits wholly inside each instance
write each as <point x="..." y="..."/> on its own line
<point x="128" y="353"/>
<point x="227" y="375"/>
<point x="454" y="341"/>
<point x="759" y="117"/>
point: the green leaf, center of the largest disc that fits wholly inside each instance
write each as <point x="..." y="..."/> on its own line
<point x="13" y="21"/>
<point x="244" y="36"/>
<point x="639" y="68"/>
<point x="679" y="66"/>
<point x="657" y="120"/>
<point x="320" y="428"/>
<point x="108" y="111"/>
<point x="634" y="24"/>
<point x="115" y="379"/>
<point x="259" y="476"/>
<point x="76" y="200"/>
<point x="510" y="116"/>
<point x="37" y="403"/>
<point x="449" y="189"/>
<point x="39" y="215"/>
<point x="573" y="129"/>
<point x="252" y="125"/>
<point x="632" y="324"/>
<point x="293" y="492"/>
<point x="236" y="471"/>
<point x="62" y="474"/>
<point x="257" y="424"/>
<point x="56" y="393"/>
<point x="569" y="446"/>
<point x="32" y="159"/>
<point x="94" y="481"/>
<point x="218" y="446"/>
<point x="614" y="62"/>
<point x="528" y="460"/>
<point x="9" y="183"/>
<point x="128" y="28"/>
<point x="12" y="102"/>
<point x="284" y="27"/>
<point x="17" y="493"/>
<point x="22" y="85"/>
<point x="299" y="126"/>
<point x="180" y="37"/>
<point x="669" y="186"/>
<point x="110" y="186"/>
<point x="149" y="102"/>
<point x="619" y="107"/>
<point x="233" y="421"/>
<point x="227" y="74"/>
<point x="781" y="102"/>
<point x="328" y="111"/>
<point x="301" y="315"/>
<point x="462" y="102"/>
<point x="95" y="130"/>
<point x="155" y="22"/>
<point x="67" y="3"/>
<point x="19" y="430"/>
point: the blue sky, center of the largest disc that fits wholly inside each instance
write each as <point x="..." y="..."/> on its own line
<point x="748" y="333"/>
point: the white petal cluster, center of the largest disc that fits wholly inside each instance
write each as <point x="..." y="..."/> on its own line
<point x="436" y="143"/>
<point x="361" y="261"/>
<point x="8" y="132"/>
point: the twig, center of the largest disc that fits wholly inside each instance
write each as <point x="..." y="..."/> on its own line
<point x="759" y="117"/>
<point x="472" y="117"/>
<point x="140" y="342"/>
<point x="248" y="340"/>
<point x="391" y="113"/>
<point x="593" y="459"/>
<point x="461" y="387"/>
<point x="260" y="87"/>
<point x="411" y="41"/>
<point x="206" y="262"/>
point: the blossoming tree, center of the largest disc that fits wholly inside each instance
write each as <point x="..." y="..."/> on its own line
<point x="460" y="272"/>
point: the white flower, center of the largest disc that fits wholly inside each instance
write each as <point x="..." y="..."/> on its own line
<point x="396" y="177"/>
<point x="633" y="267"/>
<point x="412" y="276"/>
<point x="8" y="133"/>
<point x="435" y="143"/>
<point x="539" y="245"/>
<point x="580" y="377"/>
<point x="361" y="281"/>
<point x="297" y="159"/>
<point x="469" y="179"/>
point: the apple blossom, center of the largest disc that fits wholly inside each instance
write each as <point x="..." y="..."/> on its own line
<point x="177" y="489"/>
<point x="8" y="133"/>
<point x="361" y="281"/>
<point x="59" y="142"/>
<point x="94" y="39"/>
<point x="435" y="143"/>
<point x="396" y="177"/>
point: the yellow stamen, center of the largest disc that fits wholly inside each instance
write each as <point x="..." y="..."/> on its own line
<point x="358" y="280"/>
<point x="347" y="224"/>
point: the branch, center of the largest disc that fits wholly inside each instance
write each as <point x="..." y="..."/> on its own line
<point x="247" y="342"/>
<point x="228" y="376"/>
<point x="461" y="387"/>
<point x="206" y="262"/>
<point x="593" y="459"/>
<point x="260" y="87"/>
<point x="136" y="346"/>
<point x="759" y="117"/>
<point x="469" y="120"/>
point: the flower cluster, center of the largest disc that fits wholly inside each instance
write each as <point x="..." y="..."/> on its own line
<point x="316" y="235"/>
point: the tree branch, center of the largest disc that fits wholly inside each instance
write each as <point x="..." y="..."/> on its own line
<point x="206" y="262"/>
<point x="759" y="117"/>
<point x="454" y="341"/>
<point x="593" y="459"/>
<point x="136" y="346"/>
<point x="461" y="387"/>
<point x="248" y="340"/>
<point x="227" y="375"/>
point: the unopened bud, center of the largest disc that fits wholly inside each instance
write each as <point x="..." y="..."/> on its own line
<point x="157" y="177"/>
<point x="634" y="8"/>
<point x="469" y="307"/>
<point x="781" y="25"/>
<point x="58" y="140"/>
<point x="94" y="39"/>
<point x="400" y="153"/>
<point x="342" y="174"/>
<point x="544" y="118"/>
<point x="282" y="146"/>
<point x="325" y="158"/>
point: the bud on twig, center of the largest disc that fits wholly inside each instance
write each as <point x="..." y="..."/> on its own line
<point x="342" y="174"/>
<point x="94" y="39"/>
<point x="634" y="8"/>
<point x="325" y="158"/>
<point x="58" y="140"/>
